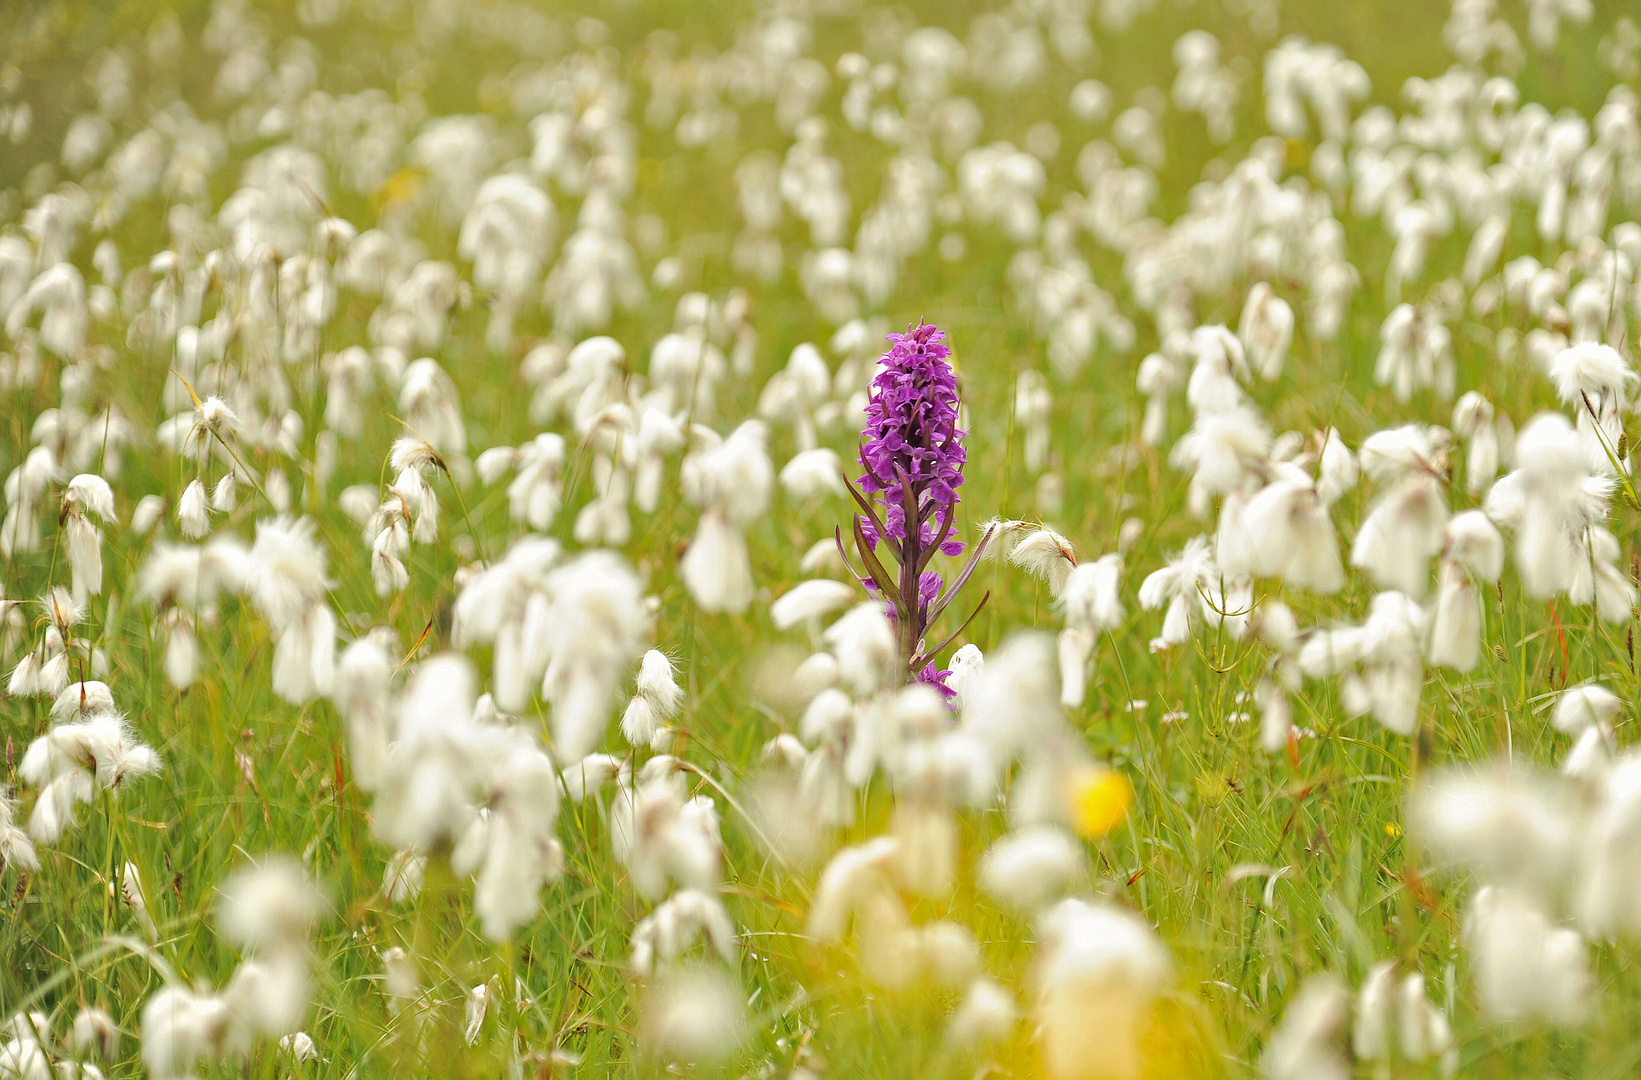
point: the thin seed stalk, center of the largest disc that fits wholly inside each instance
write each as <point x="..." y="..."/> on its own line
<point x="437" y="896"/>
<point x="108" y="866"/>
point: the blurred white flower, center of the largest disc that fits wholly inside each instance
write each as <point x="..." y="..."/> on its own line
<point x="1526" y="967"/>
<point x="694" y="1015"/>
<point x="1309" y="1043"/>
<point x="1098" y="970"/>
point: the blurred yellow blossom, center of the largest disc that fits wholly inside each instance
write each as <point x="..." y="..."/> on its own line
<point x="1100" y="799"/>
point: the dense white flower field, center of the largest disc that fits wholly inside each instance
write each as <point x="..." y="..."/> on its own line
<point x="462" y="611"/>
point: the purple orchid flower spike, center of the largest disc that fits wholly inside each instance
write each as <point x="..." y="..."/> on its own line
<point x="912" y="452"/>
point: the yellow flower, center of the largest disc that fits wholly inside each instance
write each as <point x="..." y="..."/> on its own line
<point x="1100" y="799"/>
<point x="400" y="187"/>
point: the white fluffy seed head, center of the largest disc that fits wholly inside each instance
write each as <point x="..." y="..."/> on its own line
<point x="150" y="509"/>
<point x="639" y="722"/>
<point x="694" y="1015"/>
<point x="809" y="600"/>
<point x="656" y="682"/>
<point x="1048" y="556"/>
<point x="268" y="904"/>
<point x="1586" y="706"/>
<point x="94" y="1033"/>
<point x="88" y="493"/>
<point x="81" y="699"/>
<point x="181" y="1027"/>
<point x="1031" y="866"/>
<point x="1090" y="596"/>
<point x="988" y="1013"/>
<point x="864" y="644"/>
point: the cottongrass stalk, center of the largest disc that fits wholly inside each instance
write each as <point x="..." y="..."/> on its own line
<point x="430" y="1036"/>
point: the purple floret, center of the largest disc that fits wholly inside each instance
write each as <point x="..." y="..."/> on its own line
<point x="936" y="677"/>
